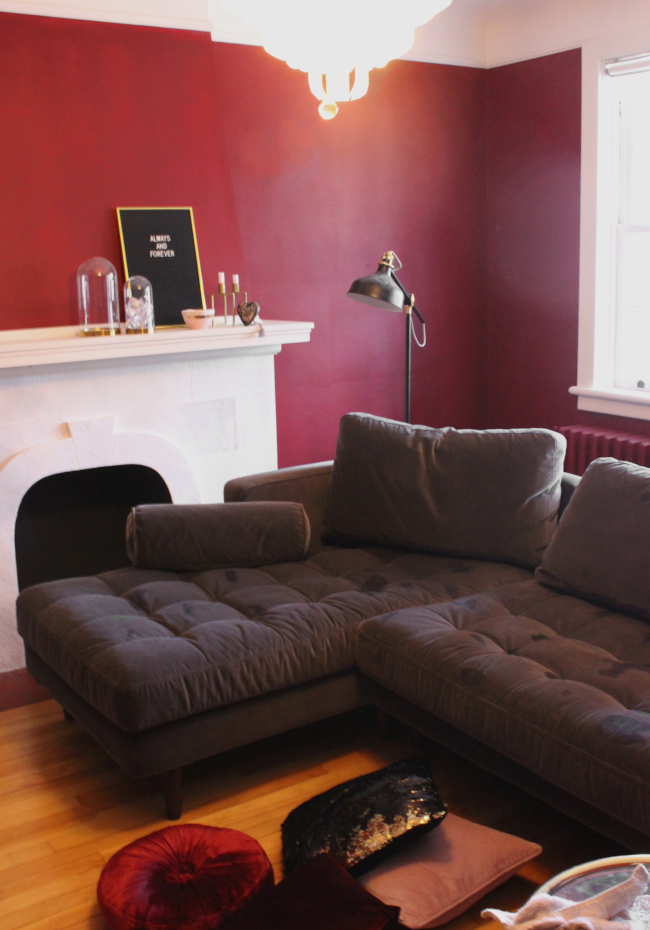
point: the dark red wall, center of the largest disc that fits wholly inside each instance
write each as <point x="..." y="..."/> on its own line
<point x="533" y="240"/>
<point x="94" y="116"/>
<point x="534" y="123"/>
<point x="319" y="202"/>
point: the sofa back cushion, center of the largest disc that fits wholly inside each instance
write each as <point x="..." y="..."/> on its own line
<point x="601" y="549"/>
<point x="487" y="494"/>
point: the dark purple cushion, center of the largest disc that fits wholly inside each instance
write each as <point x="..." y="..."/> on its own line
<point x="318" y="895"/>
<point x="186" y="877"/>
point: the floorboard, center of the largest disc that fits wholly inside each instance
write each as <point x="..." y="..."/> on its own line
<point x="65" y="808"/>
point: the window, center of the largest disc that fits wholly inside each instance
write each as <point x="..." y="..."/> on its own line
<point x="614" y="350"/>
<point x="630" y="234"/>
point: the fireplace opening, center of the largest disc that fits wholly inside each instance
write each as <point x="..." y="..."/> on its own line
<point x="73" y="523"/>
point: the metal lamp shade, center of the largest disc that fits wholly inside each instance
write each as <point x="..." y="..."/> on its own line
<point x="378" y="290"/>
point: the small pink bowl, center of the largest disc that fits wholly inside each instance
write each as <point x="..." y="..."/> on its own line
<point x="198" y="319"/>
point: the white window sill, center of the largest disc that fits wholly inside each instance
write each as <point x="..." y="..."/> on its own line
<point x="618" y="401"/>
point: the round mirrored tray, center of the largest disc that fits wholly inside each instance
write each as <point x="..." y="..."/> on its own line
<point x="591" y="878"/>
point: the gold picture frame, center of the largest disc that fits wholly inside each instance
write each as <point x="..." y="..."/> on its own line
<point x="160" y="244"/>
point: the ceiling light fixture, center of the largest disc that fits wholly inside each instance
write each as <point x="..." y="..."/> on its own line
<point x="331" y="39"/>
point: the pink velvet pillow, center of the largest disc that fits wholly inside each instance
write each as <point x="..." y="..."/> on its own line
<point x="440" y="875"/>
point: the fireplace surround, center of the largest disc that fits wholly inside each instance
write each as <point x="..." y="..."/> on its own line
<point x="197" y="407"/>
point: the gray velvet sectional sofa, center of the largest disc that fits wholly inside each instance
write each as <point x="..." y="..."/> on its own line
<point x="417" y="594"/>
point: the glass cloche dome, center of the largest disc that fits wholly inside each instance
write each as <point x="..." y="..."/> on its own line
<point x="99" y="306"/>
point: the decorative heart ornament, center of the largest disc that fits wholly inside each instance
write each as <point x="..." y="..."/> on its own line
<point x="248" y="312"/>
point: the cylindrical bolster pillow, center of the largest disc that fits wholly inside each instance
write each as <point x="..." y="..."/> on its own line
<point x="196" y="537"/>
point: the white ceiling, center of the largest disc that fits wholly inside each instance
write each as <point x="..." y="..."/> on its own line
<point x="478" y="33"/>
<point x="456" y="33"/>
<point x="486" y="33"/>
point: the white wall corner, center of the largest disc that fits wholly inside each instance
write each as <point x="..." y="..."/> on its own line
<point x="454" y="37"/>
<point x="517" y="30"/>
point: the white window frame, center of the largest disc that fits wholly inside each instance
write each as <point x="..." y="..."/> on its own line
<point x="595" y="389"/>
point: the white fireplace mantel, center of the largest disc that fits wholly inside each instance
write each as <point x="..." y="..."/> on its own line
<point x="197" y="406"/>
<point x="20" y="348"/>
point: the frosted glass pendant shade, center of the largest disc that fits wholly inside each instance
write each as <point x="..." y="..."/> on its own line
<point x="99" y="306"/>
<point x="336" y="37"/>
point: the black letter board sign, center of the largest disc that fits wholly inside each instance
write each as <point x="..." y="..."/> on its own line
<point x="160" y="244"/>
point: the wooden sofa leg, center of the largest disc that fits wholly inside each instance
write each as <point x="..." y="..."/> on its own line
<point x="172" y="785"/>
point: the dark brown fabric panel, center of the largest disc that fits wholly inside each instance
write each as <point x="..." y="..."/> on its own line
<point x="569" y="484"/>
<point x="305" y="484"/>
<point x="181" y="742"/>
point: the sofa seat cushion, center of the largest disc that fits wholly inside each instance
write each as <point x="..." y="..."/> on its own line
<point x="146" y="647"/>
<point x="555" y="683"/>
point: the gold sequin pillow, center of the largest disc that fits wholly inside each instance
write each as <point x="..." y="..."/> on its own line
<point x="358" y="821"/>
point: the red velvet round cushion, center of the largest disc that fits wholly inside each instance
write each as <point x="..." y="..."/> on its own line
<point x="186" y="877"/>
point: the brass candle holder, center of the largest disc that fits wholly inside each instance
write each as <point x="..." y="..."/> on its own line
<point x="226" y="294"/>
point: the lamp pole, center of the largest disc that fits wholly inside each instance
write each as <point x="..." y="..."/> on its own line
<point x="407" y="395"/>
<point x="410" y="308"/>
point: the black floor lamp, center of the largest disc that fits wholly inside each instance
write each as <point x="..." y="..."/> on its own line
<point x="384" y="289"/>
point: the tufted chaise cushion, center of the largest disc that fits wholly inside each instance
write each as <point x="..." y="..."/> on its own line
<point x="559" y="685"/>
<point x="147" y="647"/>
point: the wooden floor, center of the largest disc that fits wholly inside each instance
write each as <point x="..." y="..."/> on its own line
<point x="65" y="808"/>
